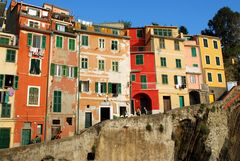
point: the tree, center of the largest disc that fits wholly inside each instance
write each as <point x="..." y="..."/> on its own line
<point x="183" y="30"/>
<point x="127" y="24"/>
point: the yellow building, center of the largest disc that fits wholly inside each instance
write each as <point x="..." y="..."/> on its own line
<point x="170" y="66"/>
<point x="212" y="64"/>
<point x="8" y="83"/>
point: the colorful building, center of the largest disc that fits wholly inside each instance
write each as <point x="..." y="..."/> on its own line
<point x="104" y="73"/>
<point x="144" y="92"/>
<point x="212" y="65"/>
<point x="31" y="24"/>
<point x="8" y="87"/>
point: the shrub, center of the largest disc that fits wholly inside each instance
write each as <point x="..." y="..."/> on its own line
<point x="149" y="127"/>
<point x="161" y="128"/>
<point x="213" y="109"/>
<point x="204" y="129"/>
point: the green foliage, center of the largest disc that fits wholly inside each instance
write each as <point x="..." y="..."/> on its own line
<point x="93" y="148"/>
<point x="155" y="24"/>
<point x="202" y="107"/>
<point x="149" y="127"/>
<point x="204" y="129"/>
<point x="161" y="128"/>
<point x="127" y="24"/>
<point x="213" y="109"/>
<point x="183" y="30"/>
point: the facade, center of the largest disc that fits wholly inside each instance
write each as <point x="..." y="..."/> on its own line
<point x="194" y="77"/>
<point x="8" y="87"/>
<point x="62" y="84"/>
<point x="170" y="66"/>
<point x="212" y="65"/>
<point x="104" y="73"/>
<point x="144" y="92"/>
<point x="31" y="24"/>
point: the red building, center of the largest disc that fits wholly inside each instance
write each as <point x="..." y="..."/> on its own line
<point x="143" y="74"/>
<point x="31" y="24"/>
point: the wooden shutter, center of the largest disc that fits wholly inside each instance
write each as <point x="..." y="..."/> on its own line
<point x="29" y="39"/>
<point x="96" y="87"/>
<point x="109" y="87"/>
<point x="1" y="80"/>
<point x="64" y="70"/>
<point x="52" y="72"/>
<point x="4" y="138"/>
<point x="15" y="85"/>
<point x="80" y="86"/>
<point x="119" y="88"/>
<point x="175" y="79"/>
<point x="104" y="87"/>
<point x="75" y="72"/>
<point x="43" y="42"/>
<point x="194" y="53"/>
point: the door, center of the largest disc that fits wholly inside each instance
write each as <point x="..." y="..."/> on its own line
<point x="181" y="101"/>
<point x="132" y="107"/>
<point x="88" y="119"/>
<point x="4" y="138"/>
<point x="105" y="113"/>
<point x="55" y="131"/>
<point x="26" y="136"/>
<point x="211" y="98"/>
<point x="167" y="103"/>
<point x="123" y="111"/>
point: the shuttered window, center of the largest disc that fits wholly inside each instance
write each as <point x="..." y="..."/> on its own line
<point x="143" y="81"/>
<point x="11" y="56"/>
<point x="33" y="96"/>
<point x="59" y="41"/>
<point x="43" y="42"/>
<point x="194" y="52"/>
<point x="139" y="59"/>
<point x="84" y="40"/>
<point x="57" y="101"/>
<point x="71" y="44"/>
<point x="6" y="110"/>
<point x="178" y="63"/>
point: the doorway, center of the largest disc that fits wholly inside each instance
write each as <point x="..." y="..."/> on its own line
<point x="181" y="101"/>
<point x="26" y="136"/>
<point x="4" y="138"/>
<point x="104" y="113"/>
<point x="167" y="103"/>
<point x="88" y="119"/>
<point x="55" y="130"/>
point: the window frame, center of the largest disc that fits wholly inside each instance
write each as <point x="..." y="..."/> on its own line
<point x="40" y="67"/>
<point x="115" y="66"/>
<point x="162" y="43"/>
<point x="101" y="44"/>
<point x="219" y="74"/>
<point x="13" y="52"/>
<point x="209" y="74"/>
<point x="137" y="33"/>
<point x="205" y="40"/>
<point x="193" y="51"/>
<point x="114" y="47"/>
<point x="69" y="44"/>
<point x="215" y="47"/>
<point x="84" y="63"/>
<point x="178" y="63"/>
<point x="217" y="59"/>
<point x="136" y="62"/>
<point x="164" y="79"/>
<point x="163" y="61"/>
<point x="176" y="45"/>
<point x="39" y="95"/>
<point x="33" y="21"/>
<point x="83" y="42"/>
<point x="207" y="56"/>
<point x="62" y="39"/>
<point x="101" y="64"/>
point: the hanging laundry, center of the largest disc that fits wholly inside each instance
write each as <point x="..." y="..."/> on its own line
<point x="6" y="99"/>
<point x="11" y="91"/>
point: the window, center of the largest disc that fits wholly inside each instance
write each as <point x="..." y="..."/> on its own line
<point x="180" y="80"/>
<point x="60" y="27"/>
<point x="65" y="70"/>
<point x="71" y="72"/>
<point x="6" y="110"/>
<point x="59" y="70"/>
<point x="35" y="67"/>
<point x="178" y="63"/>
<point x="219" y="77"/>
<point x="176" y="45"/>
<point x="207" y="58"/>
<point x="59" y="42"/>
<point x="83" y="27"/>
<point x="34" y="24"/>
<point x="84" y="86"/>
<point x="163" y="62"/>
<point x="100" y="87"/>
<point x="71" y="44"/>
<point x="114" y="88"/>
<point x="84" y="63"/>
<point x="57" y="101"/>
<point x="33" y="12"/>
<point x="4" y="41"/>
<point x="139" y="59"/>
<point x="143" y="81"/>
<point x="192" y="79"/>
<point x="133" y="77"/>
<point x="84" y="40"/>
<point x="163" y="32"/>
<point x="101" y="43"/>
<point x="11" y="56"/>
<point x="97" y="29"/>
<point x="115" y="32"/>
<point x="69" y="120"/>
<point x="100" y="64"/>
<point x="115" y="66"/>
<point x="33" y="96"/>
<point x="194" y="52"/>
<point x="114" y="45"/>
<point x="215" y="45"/>
<point x="39" y="129"/>
<point x="164" y="79"/>
<point x="139" y="33"/>
<point x="8" y="81"/>
<point x="205" y="43"/>
<point x="209" y="77"/>
<point x="36" y="41"/>
<point x="195" y="65"/>
<point x="162" y="43"/>
<point x="217" y="61"/>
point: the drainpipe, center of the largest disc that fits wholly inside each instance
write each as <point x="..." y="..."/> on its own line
<point x="78" y="93"/>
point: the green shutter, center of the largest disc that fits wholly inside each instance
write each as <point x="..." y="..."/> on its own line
<point x="15" y="85"/>
<point x="119" y="88"/>
<point x="65" y="70"/>
<point x="80" y="86"/>
<point x="184" y="80"/>
<point x="109" y="87"/>
<point x="1" y="80"/>
<point x="133" y="77"/>
<point x="194" y="53"/>
<point x="43" y="42"/>
<point x="104" y="87"/>
<point x="175" y="80"/>
<point x="96" y="87"/>
<point x="4" y="138"/>
<point x="75" y="72"/>
<point x="57" y="101"/>
<point x="6" y="110"/>
<point x="29" y="39"/>
<point x="52" y="72"/>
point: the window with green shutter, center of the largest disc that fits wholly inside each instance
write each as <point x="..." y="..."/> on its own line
<point x="139" y="33"/>
<point x="35" y="66"/>
<point x="100" y="87"/>
<point x="178" y="63"/>
<point x="164" y="79"/>
<point x="1" y="80"/>
<point x="209" y="77"/>
<point x="219" y="77"/>
<point x="96" y="87"/>
<point x="11" y="56"/>
<point x="57" y="101"/>
<point x="139" y="59"/>
<point x="4" y="41"/>
<point x="195" y="65"/>
<point x="163" y="62"/>
<point x="6" y="110"/>
<point x="15" y="82"/>
<point x="175" y="80"/>
<point x="59" y="41"/>
<point x="71" y="44"/>
<point x="52" y="72"/>
<point x="43" y="42"/>
<point x="143" y="81"/>
<point x="133" y="77"/>
<point x="75" y="72"/>
<point x="119" y="88"/>
<point x="109" y="87"/>
<point x="65" y="70"/>
<point x="84" y="40"/>
<point x="194" y="52"/>
<point x="29" y="42"/>
<point x="207" y="58"/>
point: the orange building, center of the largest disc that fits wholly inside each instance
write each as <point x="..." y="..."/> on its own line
<point x="31" y="25"/>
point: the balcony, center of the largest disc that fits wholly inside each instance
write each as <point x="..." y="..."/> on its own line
<point x="144" y="86"/>
<point x="36" y="52"/>
<point x="139" y="49"/>
<point x="35" y="14"/>
<point x="194" y="70"/>
<point x="62" y="17"/>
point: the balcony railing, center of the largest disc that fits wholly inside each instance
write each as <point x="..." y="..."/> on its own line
<point x="195" y="70"/>
<point x="141" y="49"/>
<point x="62" y="17"/>
<point x="144" y="86"/>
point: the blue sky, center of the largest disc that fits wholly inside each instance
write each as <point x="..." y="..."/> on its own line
<point x="194" y="14"/>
